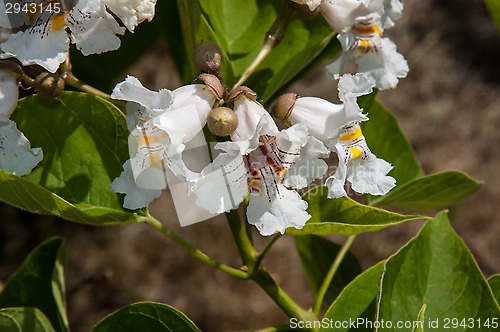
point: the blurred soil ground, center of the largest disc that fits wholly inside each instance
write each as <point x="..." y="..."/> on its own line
<point x="449" y="108"/>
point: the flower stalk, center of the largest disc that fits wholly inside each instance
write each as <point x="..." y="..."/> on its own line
<point x="193" y="251"/>
<point x="331" y="273"/>
<point x="273" y="38"/>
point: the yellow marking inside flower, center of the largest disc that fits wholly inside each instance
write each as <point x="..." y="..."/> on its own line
<point x="281" y="173"/>
<point x="356" y="153"/>
<point x="351" y="135"/>
<point x="369" y="30"/>
<point x="58" y="22"/>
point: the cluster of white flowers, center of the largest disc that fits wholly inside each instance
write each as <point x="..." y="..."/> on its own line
<point x="261" y="162"/>
<point x="258" y="161"/>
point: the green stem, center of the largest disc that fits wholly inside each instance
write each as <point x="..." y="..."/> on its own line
<point x="265" y="251"/>
<point x="193" y="251"/>
<point x="273" y="38"/>
<point x="329" y="276"/>
<point x="245" y="247"/>
<point x="73" y="81"/>
<point x="289" y="306"/>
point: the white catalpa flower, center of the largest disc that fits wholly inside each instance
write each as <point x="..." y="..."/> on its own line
<point x="262" y="161"/>
<point x="90" y="27"/>
<point x="358" y="165"/>
<point x="337" y="127"/>
<point x="16" y="155"/>
<point x="360" y="25"/>
<point x="312" y="4"/>
<point x="161" y="124"/>
<point x="324" y="119"/>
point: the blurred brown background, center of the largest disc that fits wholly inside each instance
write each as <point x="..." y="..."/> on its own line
<point x="449" y="106"/>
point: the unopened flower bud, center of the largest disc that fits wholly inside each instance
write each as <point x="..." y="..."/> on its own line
<point x="214" y="84"/>
<point x="49" y="85"/>
<point x="208" y="57"/>
<point x="242" y="90"/>
<point x="222" y="121"/>
<point x="284" y="105"/>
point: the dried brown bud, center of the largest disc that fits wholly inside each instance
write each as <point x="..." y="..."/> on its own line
<point x="249" y="93"/>
<point x="222" y="121"/>
<point x="214" y="84"/>
<point x="284" y="105"/>
<point x="49" y="85"/>
<point x="208" y="57"/>
<point x="304" y="12"/>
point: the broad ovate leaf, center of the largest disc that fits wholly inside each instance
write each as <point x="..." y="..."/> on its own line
<point x="24" y="320"/>
<point x="84" y="141"/>
<point x="146" y="316"/>
<point x="437" y="270"/>
<point x="39" y="283"/>
<point x="345" y="216"/>
<point x="429" y="192"/>
<point x="356" y="301"/>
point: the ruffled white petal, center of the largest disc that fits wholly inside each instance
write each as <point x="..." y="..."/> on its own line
<point x="370" y="176"/>
<point x="222" y="185"/>
<point x="392" y="12"/>
<point x="135" y="196"/>
<point x="8" y="94"/>
<point x="385" y="67"/>
<point x="336" y="182"/>
<point x="309" y="166"/>
<point x="277" y="209"/>
<point x="350" y="88"/>
<point x="132" y="12"/>
<point x="132" y="90"/>
<point x="39" y="45"/>
<point x="93" y="29"/>
<point x="16" y="155"/>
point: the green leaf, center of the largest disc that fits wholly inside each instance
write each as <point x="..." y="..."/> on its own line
<point x="84" y="142"/>
<point x="146" y="316"/>
<point x="357" y="300"/>
<point x="387" y="141"/>
<point x="494" y="7"/>
<point x="436" y="269"/>
<point x="317" y="255"/>
<point x="239" y="29"/>
<point x="102" y="71"/>
<point x="494" y="283"/>
<point x="435" y="191"/>
<point x="167" y="18"/>
<point x="24" y="320"/>
<point x="39" y="283"/>
<point x="345" y="216"/>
